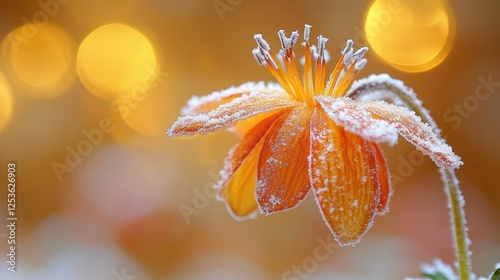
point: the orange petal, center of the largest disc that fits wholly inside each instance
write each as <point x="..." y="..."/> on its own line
<point x="416" y="132"/>
<point x="243" y="126"/>
<point x="354" y="118"/>
<point x="238" y="177"/>
<point x="201" y="104"/>
<point x="384" y="180"/>
<point x="282" y="172"/>
<point x="344" y="177"/>
<point x="227" y="114"/>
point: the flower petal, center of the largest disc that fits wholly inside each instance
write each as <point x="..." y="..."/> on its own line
<point x="384" y="180"/>
<point x="200" y="104"/>
<point x="345" y="178"/>
<point x="227" y="114"/>
<point x="238" y="177"/>
<point x="418" y="133"/>
<point x="282" y="176"/>
<point x="243" y="126"/>
<point x="347" y="113"/>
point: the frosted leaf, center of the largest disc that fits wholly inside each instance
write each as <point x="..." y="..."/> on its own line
<point x="420" y="134"/>
<point x="438" y="268"/>
<point x="227" y="114"/>
<point x="198" y="104"/>
<point x="354" y="118"/>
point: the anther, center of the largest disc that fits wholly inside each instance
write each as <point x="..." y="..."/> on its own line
<point x="263" y="45"/>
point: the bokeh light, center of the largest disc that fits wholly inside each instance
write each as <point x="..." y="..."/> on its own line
<point x="6" y="103"/>
<point x="40" y="58"/>
<point x="115" y="58"/>
<point x="144" y="108"/>
<point x="412" y="36"/>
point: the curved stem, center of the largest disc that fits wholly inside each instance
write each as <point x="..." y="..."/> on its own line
<point x="456" y="203"/>
<point x="455" y="199"/>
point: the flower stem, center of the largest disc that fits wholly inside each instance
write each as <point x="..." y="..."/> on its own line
<point x="456" y="203"/>
<point x="455" y="199"/>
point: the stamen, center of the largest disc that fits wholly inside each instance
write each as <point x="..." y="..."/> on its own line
<point x="259" y="57"/>
<point x="360" y="64"/>
<point x="348" y="57"/>
<point x="321" y="46"/>
<point x="263" y="45"/>
<point x="359" y="53"/>
<point x="307" y="31"/>
<point x="283" y="39"/>
<point x="270" y="59"/>
<point x="294" y="38"/>
<point x="285" y="69"/>
<point x="348" y="46"/>
<point x="319" y="82"/>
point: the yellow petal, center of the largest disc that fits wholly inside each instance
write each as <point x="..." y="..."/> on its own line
<point x="238" y="177"/>
<point x="282" y="172"/>
<point x="344" y="177"/>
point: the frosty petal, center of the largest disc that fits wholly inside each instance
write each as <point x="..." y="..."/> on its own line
<point x="283" y="180"/>
<point x="345" y="112"/>
<point x="200" y="104"/>
<point x="243" y="126"/>
<point x="378" y="87"/>
<point x="420" y="134"/>
<point x="227" y="114"/>
<point x="384" y="180"/>
<point x="238" y="177"/>
<point x="345" y="179"/>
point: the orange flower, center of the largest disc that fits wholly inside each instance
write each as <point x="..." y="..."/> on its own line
<point x="311" y="133"/>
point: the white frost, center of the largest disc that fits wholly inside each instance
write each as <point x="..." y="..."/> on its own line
<point x="227" y="114"/>
<point x="346" y="112"/>
<point x="195" y="103"/>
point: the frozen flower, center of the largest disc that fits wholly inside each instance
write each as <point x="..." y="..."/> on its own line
<point x="305" y="133"/>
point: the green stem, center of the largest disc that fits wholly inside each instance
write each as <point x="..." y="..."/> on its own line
<point x="455" y="199"/>
<point x="456" y="204"/>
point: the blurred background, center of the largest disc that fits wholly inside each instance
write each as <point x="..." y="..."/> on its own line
<point x="88" y="89"/>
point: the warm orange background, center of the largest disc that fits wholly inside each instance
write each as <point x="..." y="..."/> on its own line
<point x="118" y="211"/>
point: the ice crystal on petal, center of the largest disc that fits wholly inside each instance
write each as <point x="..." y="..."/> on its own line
<point x="227" y="114"/>
<point x="356" y="119"/>
<point x="198" y="104"/>
<point x="420" y="134"/>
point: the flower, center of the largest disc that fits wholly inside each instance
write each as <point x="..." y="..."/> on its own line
<point x="308" y="133"/>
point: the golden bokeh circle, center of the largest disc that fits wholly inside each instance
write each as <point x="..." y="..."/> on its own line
<point x="40" y="59"/>
<point x="114" y="59"/>
<point x="412" y="36"/>
<point x="6" y="103"/>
